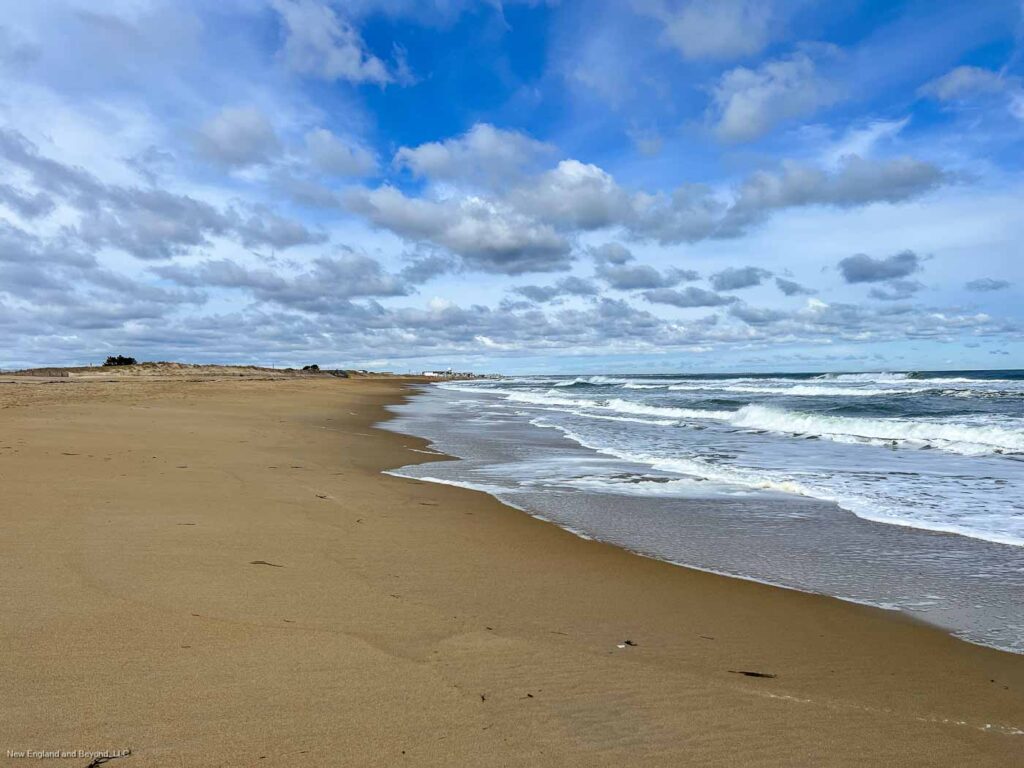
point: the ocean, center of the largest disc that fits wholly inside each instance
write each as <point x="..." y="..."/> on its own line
<point x="903" y="490"/>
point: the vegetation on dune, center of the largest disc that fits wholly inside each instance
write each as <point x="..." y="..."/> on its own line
<point x="120" y="360"/>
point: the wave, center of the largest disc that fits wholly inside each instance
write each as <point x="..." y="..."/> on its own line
<point x="733" y="479"/>
<point x="625" y="406"/>
<point x="635" y="385"/>
<point x="967" y="439"/>
<point x="802" y="390"/>
<point x="879" y="377"/>
<point x="616" y="405"/>
<point x="964" y="439"/>
<point x="592" y="381"/>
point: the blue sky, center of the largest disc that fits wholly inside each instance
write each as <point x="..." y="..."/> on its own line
<point x="644" y="185"/>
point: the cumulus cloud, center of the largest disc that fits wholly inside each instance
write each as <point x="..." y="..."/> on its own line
<point x="986" y="284"/>
<point x="567" y="286"/>
<point x="856" y="181"/>
<point x="861" y="268"/>
<point x="320" y="42"/>
<point x="746" y="103"/>
<point x="896" y="290"/>
<point x="334" y="156"/>
<point x="691" y="296"/>
<point x="689" y="214"/>
<point x="612" y="253"/>
<point x="713" y="29"/>
<point x="733" y="279"/>
<point x="791" y="288"/>
<point x="757" y="315"/>
<point x="574" y="195"/>
<point x="482" y="154"/>
<point x="238" y="136"/>
<point x="263" y="227"/>
<point x="487" y="235"/>
<point x="631" y="277"/>
<point x="614" y="265"/>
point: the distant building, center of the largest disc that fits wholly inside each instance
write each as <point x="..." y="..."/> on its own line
<point x="449" y="374"/>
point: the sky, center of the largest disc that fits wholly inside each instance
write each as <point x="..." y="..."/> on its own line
<point x="598" y="186"/>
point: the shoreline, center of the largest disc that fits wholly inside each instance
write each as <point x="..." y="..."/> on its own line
<point x="406" y="620"/>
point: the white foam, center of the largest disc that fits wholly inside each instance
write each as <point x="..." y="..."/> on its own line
<point x="593" y="380"/>
<point x="966" y="439"/>
<point x="863" y="507"/>
<point x="872" y="377"/>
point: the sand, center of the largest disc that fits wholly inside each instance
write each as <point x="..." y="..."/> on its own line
<point x="215" y="572"/>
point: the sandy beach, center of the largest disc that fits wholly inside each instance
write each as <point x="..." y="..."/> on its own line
<point x="214" y="571"/>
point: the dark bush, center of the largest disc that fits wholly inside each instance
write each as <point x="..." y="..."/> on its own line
<point x="120" y="360"/>
<point x="313" y="367"/>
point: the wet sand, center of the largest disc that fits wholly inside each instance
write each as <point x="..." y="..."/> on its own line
<point x="215" y="572"/>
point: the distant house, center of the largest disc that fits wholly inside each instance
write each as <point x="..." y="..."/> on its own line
<point x="439" y="374"/>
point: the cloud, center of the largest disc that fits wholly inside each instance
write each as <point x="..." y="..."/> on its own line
<point x="713" y="29"/>
<point x="331" y="279"/>
<point x="631" y="277"/>
<point x="425" y="266"/>
<point x="896" y="290"/>
<point x="612" y="253"/>
<point x="146" y="222"/>
<point x="25" y="204"/>
<point x="486" y="234"/>
<point x="690" y="296"/>
<point x="330" y="155"/>
<point x="732" y="279"/>
<point x="757" y="315"/>
<point x="791" y="288"/>
<point x="238" y="136"/>
<point x="321" y="43"/>
<point x="264" y="227"/>
<point x="861" y="268"/>
<point x="986" y="284"/>
<point x="963" y="82"/>
<point x="861" y="140"/>
<point x="574" y="195"/>
<point x="855" y="182"/>
<point x="747" y="103"/>
<point x="482" y="154"/>
<point x="567" y="286"/>
<point x="689" y="214"/>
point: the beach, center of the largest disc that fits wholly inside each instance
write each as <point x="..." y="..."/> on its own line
<point x="215" y="571"/>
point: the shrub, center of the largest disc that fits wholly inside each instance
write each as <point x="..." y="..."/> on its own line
<point x="313" y="367"/>
<point x="120" y="360"/>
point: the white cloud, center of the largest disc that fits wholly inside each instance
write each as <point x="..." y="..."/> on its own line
<point x="747" y="103"/>
<point x="319" y="42"/>
<point x="573" y="195"/>
<point x="482" y="154"/>
<point x="485" y="233"/>
<point x="713" y="29"/>
<point x="334" y="156"/>
<point x="238" y="136"/>
<point x="862" y="139"/>
<point x="962" y="82"/>
<point x="855" y="182"/>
